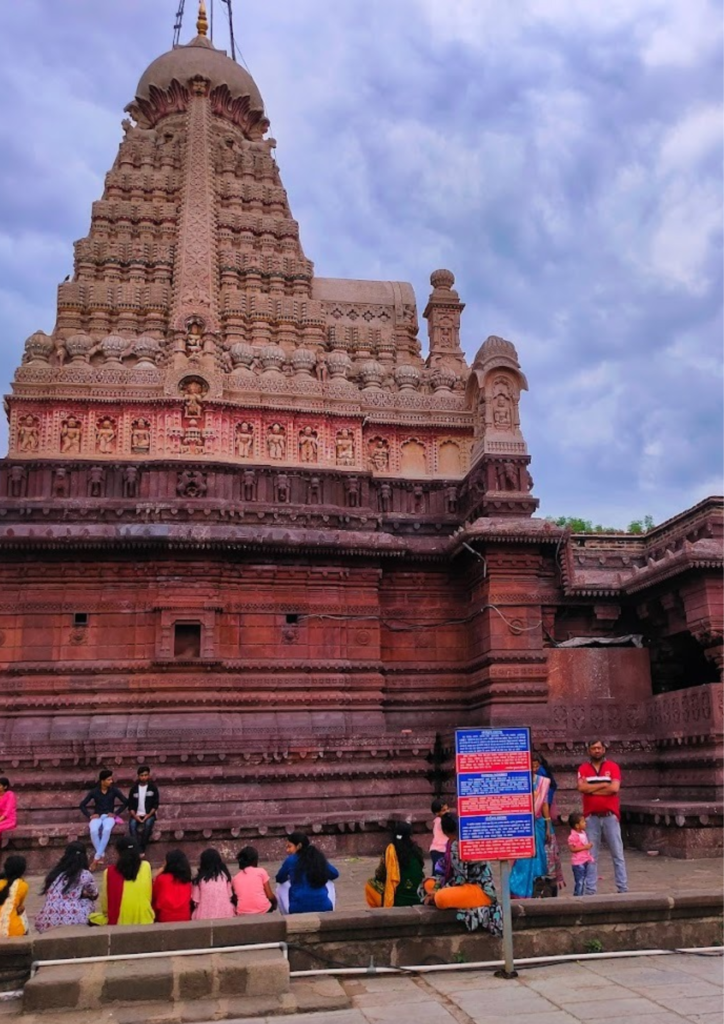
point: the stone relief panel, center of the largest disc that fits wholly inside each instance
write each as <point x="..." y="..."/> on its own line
<point x="276" y="442"/>
<point x="379" y="454"/>
<point x="244" y="440"/>
<point x="71" y="435"/>
<point x="308" y="445"/>
<point x="344" y="447"/>
<point x="106" y="435"/>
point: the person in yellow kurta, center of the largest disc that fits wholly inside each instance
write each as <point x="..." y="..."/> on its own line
<point x="126" y="888"/>
<point x="13" y="890"/>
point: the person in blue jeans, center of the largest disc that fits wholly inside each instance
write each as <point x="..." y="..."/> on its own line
<point x="599" y="780"/>
<point x="143" y="801"/>
<point x="308" y="871"/>
<point x="104" y="797"/>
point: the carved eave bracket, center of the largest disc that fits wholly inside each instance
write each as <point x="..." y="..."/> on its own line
<point x="161" y="102"/>
<point x="240" y="111"/>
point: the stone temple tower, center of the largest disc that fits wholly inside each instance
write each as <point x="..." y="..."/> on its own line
<point x="194" y="330"/>
<point x="251" y="533"/>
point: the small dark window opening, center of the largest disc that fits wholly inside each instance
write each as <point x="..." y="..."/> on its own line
<point x="187" y="640"/>
<point x="292" y="619"/>
<point x="80" y="618"/>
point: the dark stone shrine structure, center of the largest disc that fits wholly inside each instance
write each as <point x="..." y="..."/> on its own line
<point x="250" y="533"/>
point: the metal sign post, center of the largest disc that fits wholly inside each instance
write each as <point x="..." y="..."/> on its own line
<point x="508" y="970"/>
<point x="495" y="808"/>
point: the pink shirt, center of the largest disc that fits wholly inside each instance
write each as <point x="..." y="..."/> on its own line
<point x="438" y="843"/>
<point x="249" y="888"/>
<point x="212" y="899"/>
<point x="8" y="808"/>
<point x="576" y="840"/>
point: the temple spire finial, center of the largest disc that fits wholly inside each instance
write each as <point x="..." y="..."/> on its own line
<point x="202" y="22"/>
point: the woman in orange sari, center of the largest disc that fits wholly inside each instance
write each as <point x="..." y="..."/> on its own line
<point x="464" y="885"/>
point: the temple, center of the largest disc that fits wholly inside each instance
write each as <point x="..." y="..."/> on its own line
<point x="253" y="534"/>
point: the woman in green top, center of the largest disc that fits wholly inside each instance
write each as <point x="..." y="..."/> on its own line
<point x="399" y="873"/>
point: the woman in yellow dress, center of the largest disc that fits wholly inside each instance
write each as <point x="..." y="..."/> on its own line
<point x="126" y="889"/>
<point x="13" y="890"/>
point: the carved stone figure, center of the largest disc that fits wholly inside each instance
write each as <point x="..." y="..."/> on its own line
<point x="70" y="435"/>
<point x="96" y="479"/>
<point x="526" y="479"/>
<point x="28" y="434"/>
<point x="191" y="484"/>
<point x="130" y="482"/>
<point x="194" y="340"/>
<point x="308" y="445"/>
<point x="352" y="492"/>
<point x="321" y="369"/>
<point x="282" y="488"/>
<point x="451" y="499"/>
<point x="105" y="435"/>
<point x="385" y="497"/>
<point x="194" y="391"/>
<point x="17" y="481"/>
<point x="248" y="485"/>
<point x="61" y="483"/>
<point x="140" y="436"/>
<point x="344" y="447"/>
<point x="380" y="455"/>
<point x="418" y="499"/>
<point x="314" y="491"/>
<point x="245" y="440"/>
<point x="276" y="441"/>
<point x="508" y="476"/>
<point x="502" y="415"/>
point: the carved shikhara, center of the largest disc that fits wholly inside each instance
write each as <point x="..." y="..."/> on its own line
<point x="193" y="270"/>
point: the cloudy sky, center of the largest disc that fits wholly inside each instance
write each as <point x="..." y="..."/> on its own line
<point x="562" y="157"/>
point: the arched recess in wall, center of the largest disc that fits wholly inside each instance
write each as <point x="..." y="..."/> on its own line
<point x="449" y="460"/>
<point x="412" y="459"/>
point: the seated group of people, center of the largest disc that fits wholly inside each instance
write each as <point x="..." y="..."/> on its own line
<point x="129" y="895"/>
<point x="465" y="886"/>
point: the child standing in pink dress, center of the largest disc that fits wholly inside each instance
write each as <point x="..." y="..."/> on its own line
<point x="581" y="856"/>
<point x="211" y="893"/>
<point x="438" y="843"/>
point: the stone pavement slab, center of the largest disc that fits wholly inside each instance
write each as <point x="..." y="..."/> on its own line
<point x="678" y="989"/>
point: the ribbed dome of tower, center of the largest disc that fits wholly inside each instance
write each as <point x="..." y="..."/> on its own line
<point x="199" y="58"/>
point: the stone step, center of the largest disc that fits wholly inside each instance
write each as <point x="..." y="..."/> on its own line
<point x="258" y="975"/>
<point x="305" y="995"/>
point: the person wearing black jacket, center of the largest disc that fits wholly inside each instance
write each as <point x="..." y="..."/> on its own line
<point x="143" y="801"/>
<point x="104" y="798"/>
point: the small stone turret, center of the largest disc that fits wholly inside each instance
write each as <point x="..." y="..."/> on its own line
<point x="443" y="325"/>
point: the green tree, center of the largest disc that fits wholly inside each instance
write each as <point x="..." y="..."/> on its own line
<point x="577" y="525"/>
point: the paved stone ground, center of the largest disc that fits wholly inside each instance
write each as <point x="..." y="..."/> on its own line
<point x="646" y="874"/>
<point x="637" y="990"/>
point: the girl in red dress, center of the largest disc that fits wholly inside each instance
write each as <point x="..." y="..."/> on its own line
<point x="172" y="889"/>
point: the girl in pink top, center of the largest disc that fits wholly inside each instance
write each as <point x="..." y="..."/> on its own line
<point x="251" y="886"/>
<point x="8" y="810"/>
<point x="580" y="848"/>
<point x="438" y="843"/>
<point x="211" y="893"/>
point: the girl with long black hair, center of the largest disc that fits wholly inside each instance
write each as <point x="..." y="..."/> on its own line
<point x="308" y="871"/>
<point x="70" y="891"/>
<point x="400" y="872"/>
<point x="126" y="888"/>
<point x="212" y="894"/>
<point x="13" y="891"/>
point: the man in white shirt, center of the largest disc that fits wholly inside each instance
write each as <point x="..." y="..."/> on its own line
<point x="143" y="801"/>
